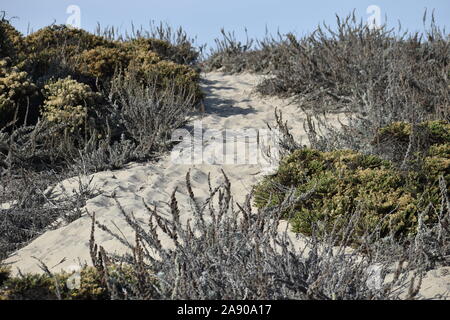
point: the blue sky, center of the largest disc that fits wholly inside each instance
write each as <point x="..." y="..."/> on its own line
<point x="205" y="18"/>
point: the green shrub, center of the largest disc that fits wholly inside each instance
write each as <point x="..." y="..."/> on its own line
<point x="5" y="273"/>
<point x="11" y="41"/>
<point x="69" y="102"/>
<point x="344" y="182"/>
<point x="167" y="74"/>
<point x="49" y="50"/>
<point x="17" y="92"/>
<point x="44" y="287"/>
<point x="86" y="284"/>
<point x="435" y="132"/>
<point x="142" y="61"/>
<point x="399" y="138"/>
<point x="182" y="53"/>
<point x="101" y="62"/>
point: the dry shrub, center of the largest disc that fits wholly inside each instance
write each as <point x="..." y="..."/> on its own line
<point x="260" y="56"/>
<point x="30" y="204"/>
<point x="377" y="73"/>
<point x="147" y="113"/>
<point x="228" y="252"/>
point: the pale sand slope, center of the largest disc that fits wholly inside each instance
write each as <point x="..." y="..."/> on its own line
<point x="230" y="104"/>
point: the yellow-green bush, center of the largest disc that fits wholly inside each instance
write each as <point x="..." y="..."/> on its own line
<point x="43" y="287"/>
<point x="16" y="93"/>
<point x="48" y="47"/>
<point x="400" y="139"/>
<point x="86" y="284"/>
<point x="68" y="102"/>
<point x="438" y="161"/>
<point x="11" y="41"/>
<point x="432" y="132"/>
<point x="5" y="273"/>
<point x="71" y="40"/>
<point x="182" y="53"/>
<point x="142" y="61"/>
<point x="343" y="182"/>
<point x="167" y="74"/>
<point x="101" y="62"/>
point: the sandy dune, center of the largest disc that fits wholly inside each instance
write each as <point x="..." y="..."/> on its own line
<point x="230" y="104"/>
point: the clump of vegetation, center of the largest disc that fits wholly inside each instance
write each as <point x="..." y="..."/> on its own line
<point x="168" y="75"/>
<point x="69" y="102"/>
<point x="406" y="143"/>
<point x="258" y="56"/>
<point x="87" y="284"/>
<point x="340" y="183"/>
<point x="49" y="50"/>
<point x="180" y="53"/>
<point x="102" y="281"/>
<point x="17" y="96"/>
<point x="72" y="39"/>
<point x="11" y="41"/>
<point x="102" y="62"/>
<point x="31" y="203"/>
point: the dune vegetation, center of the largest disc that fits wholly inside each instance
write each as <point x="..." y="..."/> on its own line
<point x="74" y="102"/>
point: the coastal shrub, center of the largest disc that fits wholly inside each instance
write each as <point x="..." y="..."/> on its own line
<point x="380" y="74"/>
<point x="258" y="56"/>
<point x="11" y="41"/>
<point x="405" y="143"/>
<point x="102" y="62"/>
<point x="181" y="53"/>
<point x="72" y="39"/>
<point x="148" y="114"/>
<point x="48" y="51"/>
<point x="343" y="182"/>
<point x="356" y="69"/>
<point x="433" y="132"/>
<point x="69" y="102"/>
<point x="31" y="202"/>
<point x="18" y="96"/>
<point x="88" y="283"/>
<point x="143" y="61"/>
<point x="168" y="75"/>
<point x="88" y="286"/>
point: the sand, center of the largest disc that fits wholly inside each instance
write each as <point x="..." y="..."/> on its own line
<point x="230" y="105"/>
